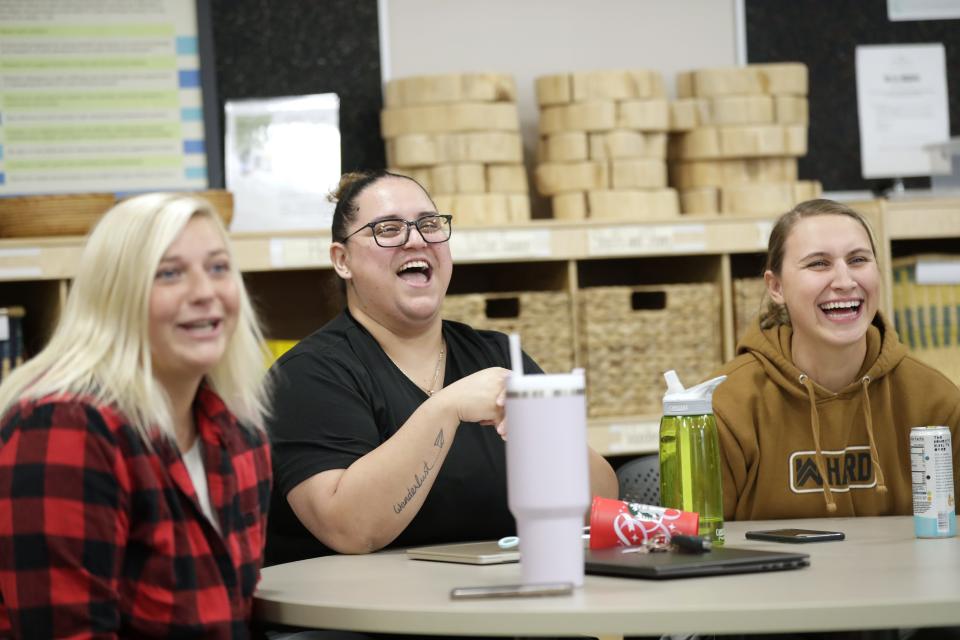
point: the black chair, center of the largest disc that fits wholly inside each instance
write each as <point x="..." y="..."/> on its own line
<point x="639" y="480"/>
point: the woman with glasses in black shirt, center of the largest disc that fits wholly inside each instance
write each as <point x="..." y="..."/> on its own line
<point x="388" y="421"/>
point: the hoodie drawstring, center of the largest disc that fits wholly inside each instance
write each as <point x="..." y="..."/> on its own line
<point x="818" y="453"/>
<point x="874" y="455"/>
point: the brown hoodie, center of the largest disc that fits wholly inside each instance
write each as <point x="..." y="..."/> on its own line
<point x="780" y="432"/>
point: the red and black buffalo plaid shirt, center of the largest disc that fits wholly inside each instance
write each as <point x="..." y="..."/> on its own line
<point x="101" y="537"/>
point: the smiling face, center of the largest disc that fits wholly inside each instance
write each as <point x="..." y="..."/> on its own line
<point x="194" y="304"/>
<point x="829" y="281"/>
<point x="401" y="287"/>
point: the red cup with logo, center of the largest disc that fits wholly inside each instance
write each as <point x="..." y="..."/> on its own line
<point x="615" y="523"/>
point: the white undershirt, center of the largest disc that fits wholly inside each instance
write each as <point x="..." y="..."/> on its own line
<point x="193" y="460"/>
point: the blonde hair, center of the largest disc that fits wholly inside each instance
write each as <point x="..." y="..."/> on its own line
<point x="100" y="348"/>
<point x="771" y="313"/>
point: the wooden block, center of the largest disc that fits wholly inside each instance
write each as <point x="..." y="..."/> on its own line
<point x="553" y="90"/>
<point x="806" y="190"/>
<point x="472" y="87"/>
<point x="687" y="114"/>
<point x="616" y="85"/>
<point x="639" y="173"/>
<point x="752" y="199"/>
<point x="480" y="209"/>
<point x="783" y="78"/>
<point x="420" y="174"/>
<point x="791" y="110"/>
<point x="729" y="81"/>
<point x="699" y="143"/>
<point x="795" y="140"/>
<point x="556" y="177"/>
<point x="485" y="147"/>
<point x="488" y="87"/>
<point x="633" y="205"/>
<point x="734" y="110"/>
<point x="761" y="140"/>
<point x="518" y="207"/>
<point x="643" y="115"/>
<point x="507" y="178"/>
<point x="448" y="118"/>
<point x="581" y="116"/>
<point x="717" y="173"/>
<point x="685" y="87"/>
<point x="700" y="200"/>
<point x="563" y="147"/>
<point x="458" y="178"/>
<point x="739" y="142"/>
<point x="569" y="206"/>
<point x="444" y="204"/>
<point x="626" y="143"/>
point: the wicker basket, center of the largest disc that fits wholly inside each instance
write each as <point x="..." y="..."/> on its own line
<point x="75" y="214"/>
<point x="747" y="296"/>
<point x="543" y="320"/>
<point x="926" y="317"/>
<point x="631" y="335"/>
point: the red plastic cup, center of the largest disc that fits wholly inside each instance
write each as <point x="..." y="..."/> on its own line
<point x="615" y="523"/>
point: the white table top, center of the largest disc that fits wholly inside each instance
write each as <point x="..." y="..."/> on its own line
<point x="881" y="576"/>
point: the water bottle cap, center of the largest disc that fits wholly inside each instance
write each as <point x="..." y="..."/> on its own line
<point x="696" y="400"/>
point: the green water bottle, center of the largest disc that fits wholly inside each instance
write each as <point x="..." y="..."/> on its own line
<point x="690" y="477"/>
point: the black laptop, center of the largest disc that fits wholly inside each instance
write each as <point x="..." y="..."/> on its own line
<point x="673" y="564"/>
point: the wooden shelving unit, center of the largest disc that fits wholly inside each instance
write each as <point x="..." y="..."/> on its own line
<point x="290" y="278"/>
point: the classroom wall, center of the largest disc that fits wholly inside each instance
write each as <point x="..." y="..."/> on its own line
<point x="530" y="38"/>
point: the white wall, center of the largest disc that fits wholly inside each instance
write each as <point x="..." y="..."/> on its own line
<point x="530" y="38"/>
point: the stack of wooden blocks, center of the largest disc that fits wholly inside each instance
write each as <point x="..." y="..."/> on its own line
<point x="459" y="136"/>
<point x="736" y="137"/>
<point x="602" y="151"/>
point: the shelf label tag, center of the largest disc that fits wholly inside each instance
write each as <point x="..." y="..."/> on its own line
<point x="4" y="326"/>
<point x="299" y="252"/>
<point x="631" y="240"/>
<point x="633" y="437"/>
<point x="516" y="243"/>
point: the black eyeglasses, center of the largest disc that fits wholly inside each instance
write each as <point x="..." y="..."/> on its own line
<point x="394" y="232"/>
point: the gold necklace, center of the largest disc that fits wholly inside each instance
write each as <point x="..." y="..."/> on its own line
<point x="436" y="372"/>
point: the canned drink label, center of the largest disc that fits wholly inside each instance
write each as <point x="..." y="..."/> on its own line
<point x="931" y="465"/>
<point x="616" y="523"/>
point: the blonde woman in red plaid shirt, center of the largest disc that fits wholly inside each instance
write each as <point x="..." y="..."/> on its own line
<point x="134" y="467"/>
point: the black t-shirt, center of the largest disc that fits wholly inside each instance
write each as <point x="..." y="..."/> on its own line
<point x="339" y="396"/>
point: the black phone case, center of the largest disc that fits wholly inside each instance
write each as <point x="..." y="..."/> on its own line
<point x="826" y="536"/>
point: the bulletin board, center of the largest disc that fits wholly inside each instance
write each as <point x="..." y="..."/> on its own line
<point x="824" y="35"/>
<point x="105" y="97"/>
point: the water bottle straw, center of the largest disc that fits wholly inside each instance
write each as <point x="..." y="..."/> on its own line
<point x="516" y="358"/>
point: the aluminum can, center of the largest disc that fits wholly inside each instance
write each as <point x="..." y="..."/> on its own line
<point x="931" y="463"/>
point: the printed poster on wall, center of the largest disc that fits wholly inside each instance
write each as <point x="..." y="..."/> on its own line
<point x="100" y="96"/>
<point x="902" y="107"/>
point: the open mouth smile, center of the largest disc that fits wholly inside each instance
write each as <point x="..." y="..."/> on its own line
<point x="842" y="310"/>
<point x="416" y="272"/>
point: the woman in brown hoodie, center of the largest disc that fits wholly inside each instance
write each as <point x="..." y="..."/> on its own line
<point x="815" y="416"/>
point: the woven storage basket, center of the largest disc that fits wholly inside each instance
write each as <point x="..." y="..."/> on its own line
<point x="631" y="335"/>
<point x="747" y="295"/>
<point x="927" y="317"/>
<point x="543" y="320"/>
<point x="75" y="214"/>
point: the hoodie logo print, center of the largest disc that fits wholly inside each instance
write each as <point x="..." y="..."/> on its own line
<point x="850" y="468"/>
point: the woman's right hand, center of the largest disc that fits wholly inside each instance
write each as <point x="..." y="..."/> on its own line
<point x="479" y="397"/>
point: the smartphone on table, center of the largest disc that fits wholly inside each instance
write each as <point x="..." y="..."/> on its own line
<point x="795" y="535"/>
<point x="513" y="591"/>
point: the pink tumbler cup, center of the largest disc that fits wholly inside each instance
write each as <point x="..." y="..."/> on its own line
<point x="548" y="485"/>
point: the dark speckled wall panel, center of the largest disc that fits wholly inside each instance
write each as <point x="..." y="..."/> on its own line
<point x="270" y="48"/>
<point x="824" y="34"/>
